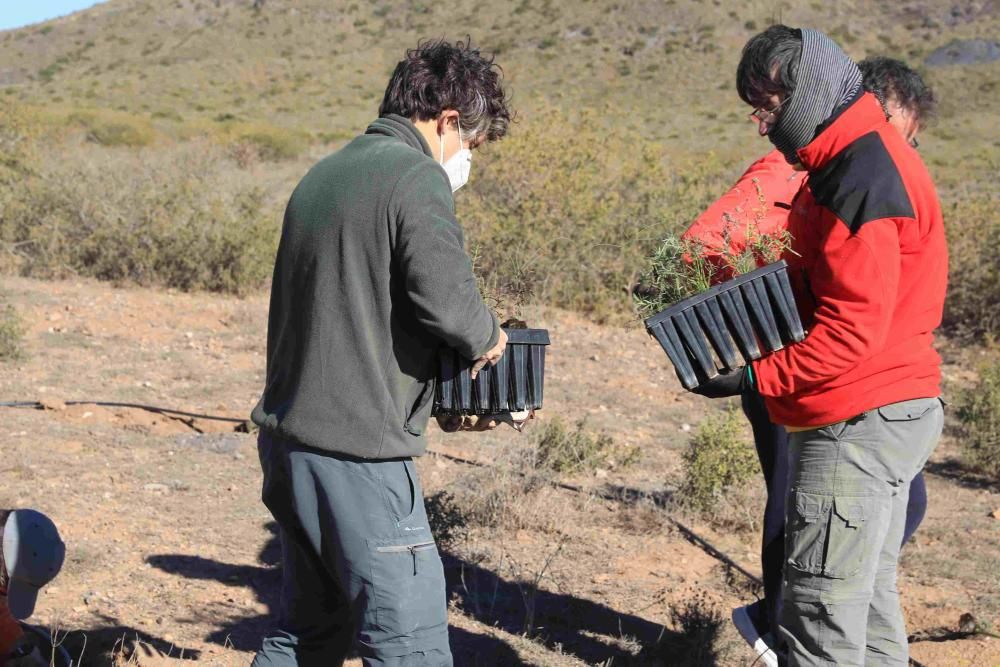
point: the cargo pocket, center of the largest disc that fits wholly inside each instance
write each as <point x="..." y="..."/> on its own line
<point x="827" y="534"/>
<point x="807" y="530"/>
<point x="848" y="537"/>
<point x="409" y="589"/>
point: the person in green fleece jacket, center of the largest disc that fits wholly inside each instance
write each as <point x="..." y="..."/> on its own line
<point x="371" y="278"/>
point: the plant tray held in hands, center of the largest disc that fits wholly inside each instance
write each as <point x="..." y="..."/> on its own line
<point x="737" y="318"/>
<point x="512" y="385"/>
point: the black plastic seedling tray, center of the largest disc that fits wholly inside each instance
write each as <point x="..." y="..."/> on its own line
<point x="748" y="316"/>
<point x="514" y="384"/>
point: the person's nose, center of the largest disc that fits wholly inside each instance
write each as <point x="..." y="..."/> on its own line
<point x="763" y="127"/>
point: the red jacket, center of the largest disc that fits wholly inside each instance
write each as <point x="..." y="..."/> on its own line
<point x="870" y="270"/>
<point x="763" y="194"/>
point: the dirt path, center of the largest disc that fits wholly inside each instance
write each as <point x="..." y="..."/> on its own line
<point x="168" y="541"/>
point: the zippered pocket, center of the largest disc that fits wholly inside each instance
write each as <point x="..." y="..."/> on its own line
<point x="408" y="586"/>
<point x="414" y="549"/>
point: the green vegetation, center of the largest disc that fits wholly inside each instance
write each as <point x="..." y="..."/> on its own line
<point x="562" y="212"/>
<point x="979" y="414"/>
<point x="561" y="449"/>
<point x="718" y="458"/>
<point x="678" y="268"/>
<point x="267" y="142"/>
<point x="972" y="309"/>
<point x="182" y="216"/>
<point x="113" y="129"/>
<point x="11" y="333"/>
<point x="682" y="267"/>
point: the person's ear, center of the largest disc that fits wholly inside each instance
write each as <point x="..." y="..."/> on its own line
<point x="445" y="120"/>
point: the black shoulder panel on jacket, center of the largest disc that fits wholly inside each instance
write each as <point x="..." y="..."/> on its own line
<point x="862" y="184"/>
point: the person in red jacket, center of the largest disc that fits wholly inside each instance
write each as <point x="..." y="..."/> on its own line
<point x="858" y="396"/>
<point x="767" y="188"/>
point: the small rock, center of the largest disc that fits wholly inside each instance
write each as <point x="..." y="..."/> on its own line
<point x="996" y="513"/>
<point x="967" y="623"/>
<point x="686" y="427"/>
<point x="156" y="488"/>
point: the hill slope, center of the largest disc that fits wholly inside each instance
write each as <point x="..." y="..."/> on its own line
<point x="321" y="66"/>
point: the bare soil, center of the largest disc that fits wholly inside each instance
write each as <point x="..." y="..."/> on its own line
<point x="171" y="555"/>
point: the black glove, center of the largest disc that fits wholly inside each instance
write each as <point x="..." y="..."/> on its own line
<point x="722" y="385"/>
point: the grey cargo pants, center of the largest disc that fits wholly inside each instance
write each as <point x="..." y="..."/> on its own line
<point x="844" y="518"/>
<point x="360" y="569"/>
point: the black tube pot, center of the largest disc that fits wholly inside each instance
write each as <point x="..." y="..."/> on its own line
<point x="752" y="315"/>
<point x="514" y="384"/>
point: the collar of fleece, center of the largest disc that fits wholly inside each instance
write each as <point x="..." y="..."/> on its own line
<point x="827" y="79"/>
<point x="393" y="125"/>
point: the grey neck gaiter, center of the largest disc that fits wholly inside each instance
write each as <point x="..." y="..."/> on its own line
<point x="827" y="78"/>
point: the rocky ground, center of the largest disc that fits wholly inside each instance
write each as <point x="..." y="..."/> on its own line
<point x="171" y="555"/>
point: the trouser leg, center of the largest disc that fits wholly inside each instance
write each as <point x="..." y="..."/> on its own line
<point x="886" y="643"/>
<point x="844" y="504"/>
<point x="771" y="442"/>
<point x="314" y="618"/>
<point x="886" y="633"/>
<point x="364" y="523"/>
<point x="916" y="506"/>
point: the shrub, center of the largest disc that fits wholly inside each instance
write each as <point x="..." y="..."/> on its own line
<point x="110" y="128"/>
<point x="181" y="217"/>
<point x="270" y="143"/>
<point x="11" y="333"/>
<point x="18" y="154"/>
<point x="447" y="520"/>
<point x="562" y="207"/>
<point x="979" y="413"/>
<point x="972" y="309"/>
<point x="563" y="450"/>
<point x="717" y="460"/>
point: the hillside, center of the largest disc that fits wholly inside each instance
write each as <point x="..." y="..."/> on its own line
<point x="319" y="66"/>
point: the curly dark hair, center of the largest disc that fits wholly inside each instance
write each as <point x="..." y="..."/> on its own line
<point x="769" y="64"/>
<point x="894" y="79"/>
<point x="438" y="75"/>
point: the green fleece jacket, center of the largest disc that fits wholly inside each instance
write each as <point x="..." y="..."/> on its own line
<point x="371" y="278"/>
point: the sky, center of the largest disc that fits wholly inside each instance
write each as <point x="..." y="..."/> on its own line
<point x="17" y="13"/>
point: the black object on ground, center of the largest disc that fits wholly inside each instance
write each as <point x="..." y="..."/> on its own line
<point x="514" y="384"/>
<point x="754" y="314"/>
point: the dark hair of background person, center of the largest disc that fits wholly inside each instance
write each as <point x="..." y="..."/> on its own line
<point x="769" y="65"/>
<point x="893" y="79"/>
<point x="438" y="75"/>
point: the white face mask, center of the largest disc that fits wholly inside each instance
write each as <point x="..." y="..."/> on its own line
<point x="458" y="165"/>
